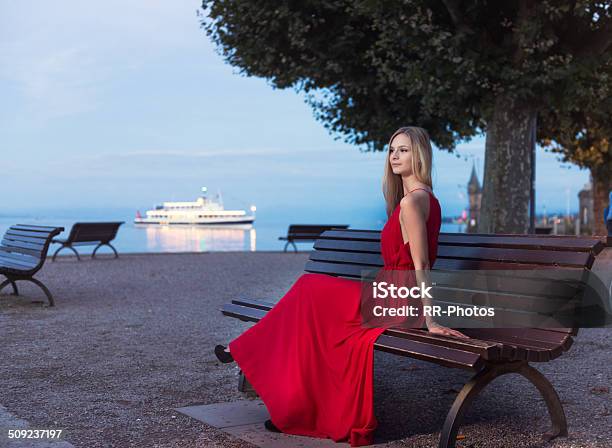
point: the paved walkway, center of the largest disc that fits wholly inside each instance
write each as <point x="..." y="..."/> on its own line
<point x="131" y="340"/>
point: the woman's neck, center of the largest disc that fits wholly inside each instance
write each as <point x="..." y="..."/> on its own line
<point x="410" y="183"/>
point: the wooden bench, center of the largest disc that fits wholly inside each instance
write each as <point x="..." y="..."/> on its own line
<point x="490" y="352"/>
<point x="23" y="251"/>
<point x="306" y="232"/>
<point x="89" y="234"/>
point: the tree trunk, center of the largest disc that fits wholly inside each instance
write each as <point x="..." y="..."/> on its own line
<point x="602" y="184"/>
<point x="507" y="172"/>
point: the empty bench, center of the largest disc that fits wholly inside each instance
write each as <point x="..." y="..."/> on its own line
<point x="305" y="233"/>
<point x="23" y="251"/>
<point x="89" y="234"/>
<point x="489" y="352"/>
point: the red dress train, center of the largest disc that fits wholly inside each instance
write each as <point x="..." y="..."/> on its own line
<point x="309" y="358"/>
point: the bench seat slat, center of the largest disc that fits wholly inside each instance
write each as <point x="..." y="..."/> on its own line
<point x="348" y="246"/>
<point x="15" y="234"/>
<point x="375" y="260"/>
<point x="337" y="269"/>
<point x="36" y="242"/>
<point x="308" y="232"/>
<point x="310" y="228"/>
<point x="349" y="234"/>
<point x="528" y="337"/>
<point x="465" y="264"/>
<point x="244" y="313"/>
<point x="559" y="243"/>
<point x="535" y="334"/>
<point x="550" y="242"/>
<point x="35" y="228"/>
<point x="7" y="241"/>
<point x="525" y="349"/>
<point x="26" y="260"/>
<point x="255" y="303"/>
<point x="429" y="352"/>
<point x="301" y="236"/>
<point x="14" y="266"/>
<point x="486" y="349"/>
<point x="18" y="248"/>
<point x="560" y="258"/>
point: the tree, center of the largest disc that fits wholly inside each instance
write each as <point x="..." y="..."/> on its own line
<point x="584" y="136"/>
<point x="457" y="68"/>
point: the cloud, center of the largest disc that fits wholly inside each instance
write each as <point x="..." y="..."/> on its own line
<point x="59" y="58"/>
<point x="55" y="84"/>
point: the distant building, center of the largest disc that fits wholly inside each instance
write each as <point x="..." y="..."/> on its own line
<point x="585" y="208"/>
<point x="475" y="197"/>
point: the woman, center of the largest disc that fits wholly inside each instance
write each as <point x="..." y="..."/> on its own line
<point x="310" y="358"/>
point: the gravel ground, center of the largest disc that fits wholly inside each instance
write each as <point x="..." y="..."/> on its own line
<point x="131" y="339"/>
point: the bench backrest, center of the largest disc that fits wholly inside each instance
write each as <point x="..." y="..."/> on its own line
<point x="347" y="252"/>
<point x="310" y="231"/>
<point x="24" y="247"/>
<point x="103" y="232"/>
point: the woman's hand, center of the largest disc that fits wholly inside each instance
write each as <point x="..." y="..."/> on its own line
<point x="445" y="331"/>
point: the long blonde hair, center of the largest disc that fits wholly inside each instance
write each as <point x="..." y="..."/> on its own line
<point x="393" y="189"/>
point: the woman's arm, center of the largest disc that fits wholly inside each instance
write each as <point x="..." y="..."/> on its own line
<point x="413" y="217"/>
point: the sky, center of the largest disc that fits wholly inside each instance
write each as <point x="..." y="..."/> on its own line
<point x="126" y="104"/>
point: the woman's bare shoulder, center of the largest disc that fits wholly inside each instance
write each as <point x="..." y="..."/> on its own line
<point x="415" y="202"/>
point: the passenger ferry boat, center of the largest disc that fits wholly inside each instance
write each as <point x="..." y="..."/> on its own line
<point x="203" y="211"/>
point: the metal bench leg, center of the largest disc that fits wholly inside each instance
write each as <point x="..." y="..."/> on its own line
<point x="245" y="387"/>
<point x="480" y="380"/>
<point x="553" y="403"/>
<point x="294" y="247"/>
<point x="66" y="247"/>
<point x="11" y="282"/>
<point x="104" y="244"/>
<point x="42" y="286"/>
<point x="286" y="245"/>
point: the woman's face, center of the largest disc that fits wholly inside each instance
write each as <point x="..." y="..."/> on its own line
<point x="400" y="155"/>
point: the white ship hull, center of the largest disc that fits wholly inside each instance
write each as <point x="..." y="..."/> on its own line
<point x="221" y="220"/>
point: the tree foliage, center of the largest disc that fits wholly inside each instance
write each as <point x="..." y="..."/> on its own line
<point x="369" y="66"/>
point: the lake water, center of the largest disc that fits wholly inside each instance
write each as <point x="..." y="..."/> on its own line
<point x="137" y="238"/>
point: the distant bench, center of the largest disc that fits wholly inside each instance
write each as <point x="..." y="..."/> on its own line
<point x="23" y="251"/>
<point x="89" y="234"/>
<point x="306" y="232"/>
<point x="489" y="352"/>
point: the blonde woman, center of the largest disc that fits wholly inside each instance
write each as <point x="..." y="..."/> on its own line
<point x="310" y="358"/>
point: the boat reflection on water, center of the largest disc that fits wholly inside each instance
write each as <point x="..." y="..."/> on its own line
<point x="188" y="238"/>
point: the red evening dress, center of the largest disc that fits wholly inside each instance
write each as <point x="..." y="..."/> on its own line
<point x="309" y="358"/>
